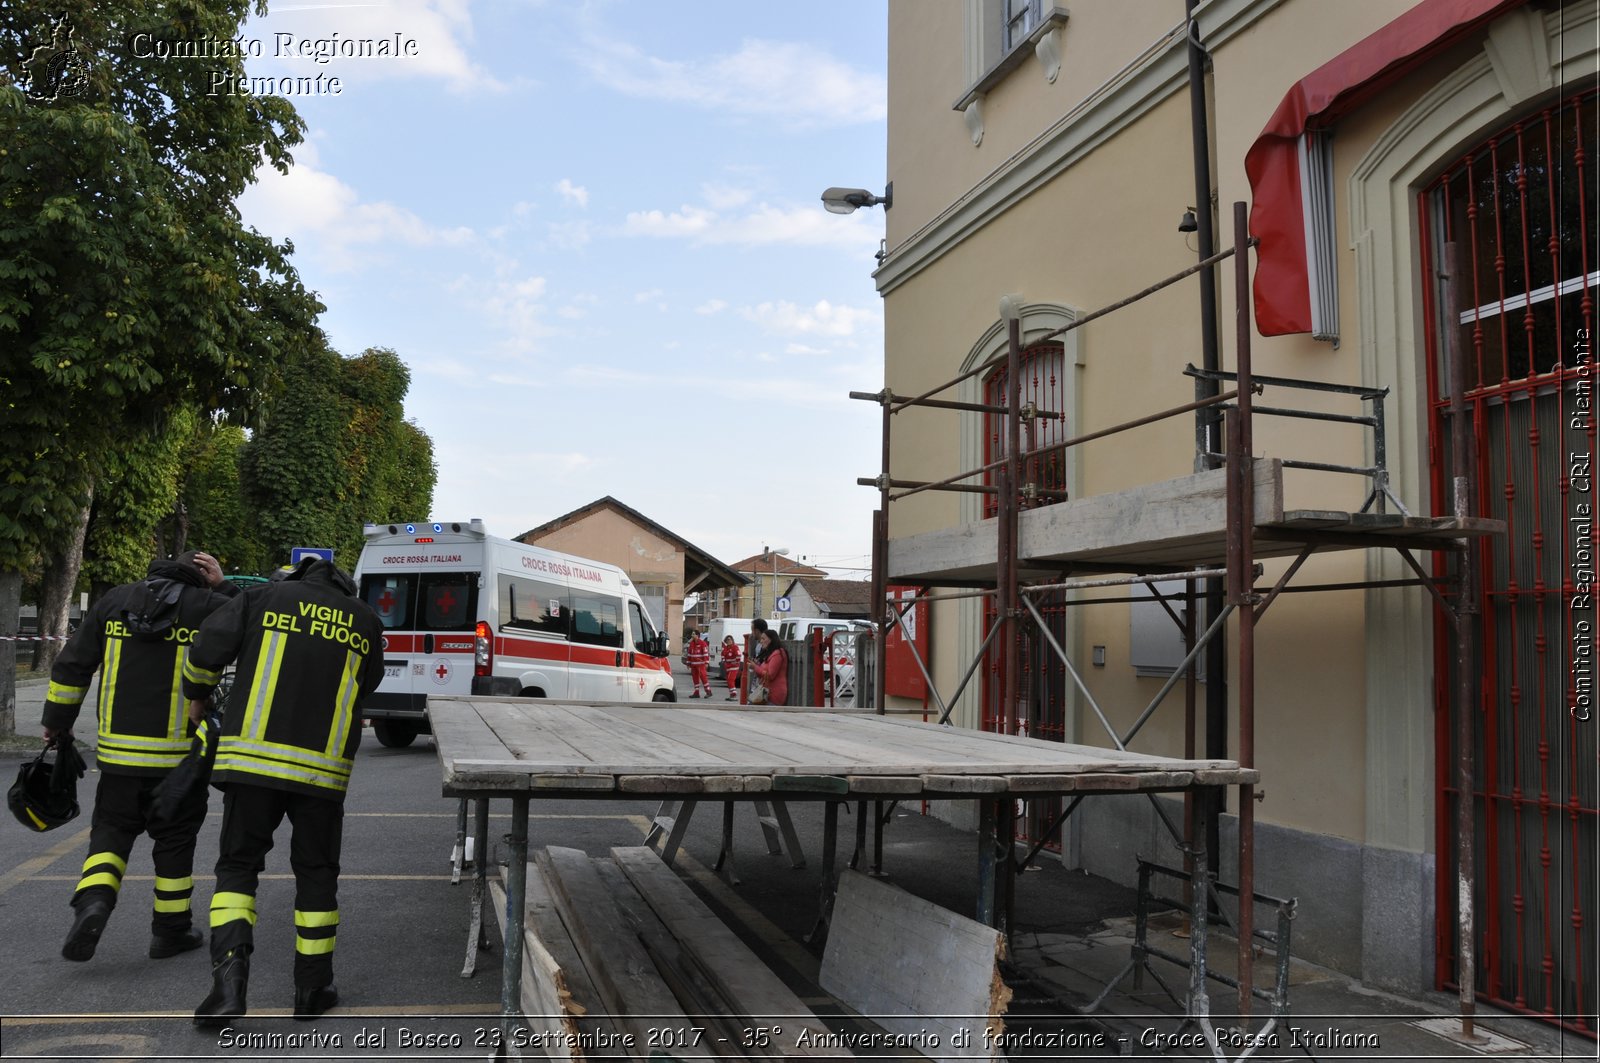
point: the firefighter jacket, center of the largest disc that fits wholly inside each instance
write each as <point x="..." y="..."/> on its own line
<point x="308" y="652"/>
<point x="144" y="727"/>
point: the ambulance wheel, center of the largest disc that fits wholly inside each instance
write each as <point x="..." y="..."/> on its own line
<point x="395" y="735"/>
<point x="532" y="692"/>
<point x="662" y="695"/>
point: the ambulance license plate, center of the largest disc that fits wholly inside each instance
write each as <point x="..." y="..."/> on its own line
<point x="393" y="671"/>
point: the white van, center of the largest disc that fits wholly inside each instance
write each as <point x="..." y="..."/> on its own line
<point x="467" y="613"/>
<point x="720" y="628"/>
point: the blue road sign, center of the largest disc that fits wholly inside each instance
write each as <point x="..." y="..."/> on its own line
<point x="783" y="604"/>
<point x="296" y="553"/>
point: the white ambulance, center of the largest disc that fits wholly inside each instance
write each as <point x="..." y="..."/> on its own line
<point x="467" y="613"/>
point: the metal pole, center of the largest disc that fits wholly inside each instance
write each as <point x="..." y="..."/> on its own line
<point x="1243" y="576"/>
<point x="1010" y="484"/>
<point x="1461" y="458"/>
<point x="516" y="905"/>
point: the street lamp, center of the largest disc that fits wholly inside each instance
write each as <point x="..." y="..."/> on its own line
<point x="765" y="551"/>
<point x="846" y="200"/>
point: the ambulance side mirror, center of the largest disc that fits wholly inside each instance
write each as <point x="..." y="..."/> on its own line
<point x="659" y="647"/>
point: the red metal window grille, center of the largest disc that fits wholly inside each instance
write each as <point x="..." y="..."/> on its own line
<point x="1521" y="207"/>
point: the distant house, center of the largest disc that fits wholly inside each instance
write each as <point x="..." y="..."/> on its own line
<point x="838" y="599"/>
<point x="663" y="565"/>
<point x="766" y="575"/>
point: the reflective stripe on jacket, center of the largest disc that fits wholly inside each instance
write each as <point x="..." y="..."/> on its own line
<point x="308" y="651"/>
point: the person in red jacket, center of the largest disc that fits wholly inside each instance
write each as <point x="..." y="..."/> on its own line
<point x="772" y="668"/>
<point x="732" y="663"/>
<point x="697" y="655"/>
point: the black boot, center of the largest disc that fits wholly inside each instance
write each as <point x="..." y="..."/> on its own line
<point x="84" y="936"/>
<point x="225" y="1003"/>
<point x="309" y="1003"/>
<point x="164" y="945"/>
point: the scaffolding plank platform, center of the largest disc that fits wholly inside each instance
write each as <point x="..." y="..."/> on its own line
<point x="1168" y="526"/>
<point x="591" y="750"/>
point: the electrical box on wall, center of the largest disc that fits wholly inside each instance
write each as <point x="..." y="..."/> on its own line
<point x="1155" y="642"/>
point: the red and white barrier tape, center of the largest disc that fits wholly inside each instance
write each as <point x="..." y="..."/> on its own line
<point x="34" y="638"/>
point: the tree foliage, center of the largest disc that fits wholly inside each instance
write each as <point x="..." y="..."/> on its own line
<point x="334" y="452"/>
<point x="134" y="493"/>
<point x="128" y="284"/>
<point x="213" y="502"/>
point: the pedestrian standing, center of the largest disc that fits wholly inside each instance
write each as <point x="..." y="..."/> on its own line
<point x="697" y="655"/>
<point x="308" y="650"/>
<point x="134" y="636"/>
<point x="772" y="668"/>
<point x="732" y="664"/>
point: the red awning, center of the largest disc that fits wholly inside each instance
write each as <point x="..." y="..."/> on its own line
<point x="1318" y="101"/>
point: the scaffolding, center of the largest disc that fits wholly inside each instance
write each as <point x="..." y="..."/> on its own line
<point x="1212" y="526"/>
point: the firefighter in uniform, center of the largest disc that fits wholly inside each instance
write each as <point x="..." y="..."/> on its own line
<point x="308" y="650"/>
<point x="135" y="637"/>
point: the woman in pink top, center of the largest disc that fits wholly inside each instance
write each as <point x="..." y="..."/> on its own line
<point x="773" y="669"/>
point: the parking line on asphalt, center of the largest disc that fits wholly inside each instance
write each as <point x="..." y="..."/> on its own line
<point x="489" y="1010"/>
<point x="24" y="872"/>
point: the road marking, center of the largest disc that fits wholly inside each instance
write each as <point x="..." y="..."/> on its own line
<point x="24" y="871"/>
<point x="489" y="1010"/>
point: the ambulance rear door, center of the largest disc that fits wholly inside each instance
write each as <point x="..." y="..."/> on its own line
<point x="430" y="619"/>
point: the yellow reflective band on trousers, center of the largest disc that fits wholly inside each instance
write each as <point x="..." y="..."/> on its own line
<point x="315" y="932"/>
<point x="103" y="869"/>
<point x="230" y="907"/>
<point x="263" y="686"/>
<point x="65" y="695"/>
<point x="172" y="894"/>
<point x="344" y="703"/>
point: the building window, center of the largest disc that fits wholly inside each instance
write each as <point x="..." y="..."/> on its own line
<point x="1044" y="385"/>
<point x="1021" y="16"/>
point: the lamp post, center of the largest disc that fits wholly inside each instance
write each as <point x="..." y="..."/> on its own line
<point x="767" y="552"/>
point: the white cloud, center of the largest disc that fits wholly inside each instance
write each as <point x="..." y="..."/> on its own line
<point x="800" y="348"/>
<point x="573" y="193"/>
<point x="321" y="212"/>
<point x="434" y="36"/>
<point x="822" y="318"/>
<point x="795" y="83"/>
<point x="568" y="235"/>
<point x="647" y="295"/>
<point x="517" y="306"/>
<point x="689" y="221"/>
<point x="726" y="196"/>
<point x="763" y="225"/>
<point x="711" y="306"/>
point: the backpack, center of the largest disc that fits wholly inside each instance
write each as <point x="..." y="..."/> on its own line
<point x="153" y="609"/>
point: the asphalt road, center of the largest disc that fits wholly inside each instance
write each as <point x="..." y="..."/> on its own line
<point x="403" y="925"/>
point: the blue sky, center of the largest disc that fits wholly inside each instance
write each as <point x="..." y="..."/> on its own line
<point x="593" y="232"/>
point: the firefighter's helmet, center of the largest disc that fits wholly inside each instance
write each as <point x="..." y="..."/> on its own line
<point x="45" y="794"/>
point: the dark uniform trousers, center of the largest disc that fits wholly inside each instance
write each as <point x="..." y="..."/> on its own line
<point x="250" y="814"/>
<point x="122" y="812"/>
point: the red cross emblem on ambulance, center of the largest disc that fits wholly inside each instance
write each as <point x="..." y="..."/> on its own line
<point x="441" y="672"/>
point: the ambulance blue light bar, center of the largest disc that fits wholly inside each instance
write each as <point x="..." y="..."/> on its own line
<point x="373" y="531"/>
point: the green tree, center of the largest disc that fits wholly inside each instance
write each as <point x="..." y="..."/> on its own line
<point x="128" y="285"/>
<point x="212" y="503"/>
<point x="134" y="493"/>
<point x="336" y="451"/>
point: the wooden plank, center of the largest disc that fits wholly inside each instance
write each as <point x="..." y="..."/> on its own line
<point x="763" y="999"/>
<point x="885" y="784"/>
<point x="544" y="989"/>
<point x="1227" y="777"/>
<point x="661" y="784"/>
<point x="916" y="969"/>
<point x="579" y="997"/>
<point x="738" y="784"/>
<point x="814" y="784"/>
<point x="622" y="971"/>
<point x="964" y="784"/>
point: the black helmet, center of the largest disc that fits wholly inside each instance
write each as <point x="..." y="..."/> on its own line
<point x="45" y="794"/>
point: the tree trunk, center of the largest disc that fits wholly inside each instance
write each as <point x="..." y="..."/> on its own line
<point x="56" y="587"/>
<point x="180" y="529"/>
<point x="10" y="609"/>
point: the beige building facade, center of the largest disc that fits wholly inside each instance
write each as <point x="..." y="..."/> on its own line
<point x="662" y="564"/>
<point x="1051" y="160"/>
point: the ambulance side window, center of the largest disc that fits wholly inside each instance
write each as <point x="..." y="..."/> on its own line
<point x="391" y="597"/>
<point x="533" y="605"/>
<point x="449" y="601"/>
<point x="644" y="635"/>
<point x="596" y="620"/>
